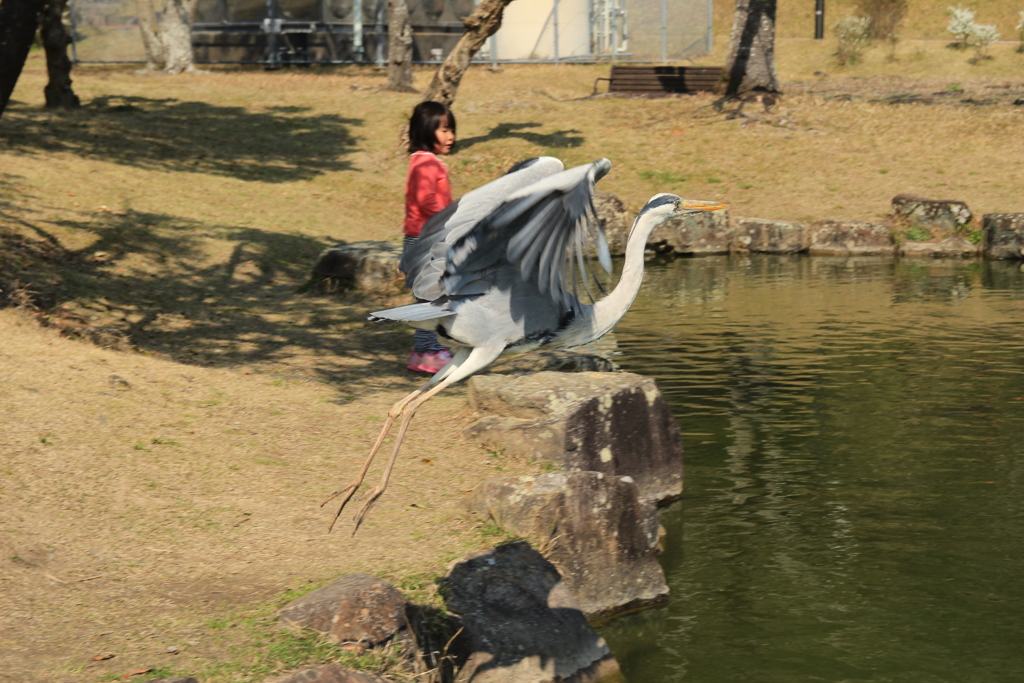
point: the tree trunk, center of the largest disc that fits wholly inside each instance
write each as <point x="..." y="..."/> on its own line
<point x="169" y="44"/>
<point x="480" y="25"/>
<point x="177" y="35"/>
<point x="58" y="92"/>
<point x="156" y="53"/>
<point x="399" y="48"/>
<point x="750" y="64"/>
<point x="18" y="22"/>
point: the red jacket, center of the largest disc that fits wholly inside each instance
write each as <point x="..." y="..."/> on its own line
<point x="426" y="191"/>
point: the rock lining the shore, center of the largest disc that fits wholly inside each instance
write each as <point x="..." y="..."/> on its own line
<point x="369" y="266"/>
<point x="554" y="360"/>
<point x="519" y="623"/>
<point x="946" y="215"/>
<point x="763" y="236"/>
<point x="850" y="238"/>
<point x="592" y="527"/>
<point x="355" y="608"/>
<point x="1004" y="235"/>
<point x="944" y="223"/>
<point x="619" y="452"/>
<point x="615" y="423"/>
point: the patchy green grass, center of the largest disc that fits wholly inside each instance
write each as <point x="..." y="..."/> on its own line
<point x="253" y="645"/>
<point x="916" y="233"/>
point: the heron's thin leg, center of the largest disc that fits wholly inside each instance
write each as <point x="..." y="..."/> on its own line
<point x="395" y="411"/>
<point x="465" y="364"/>
<point x="350" y="490"/>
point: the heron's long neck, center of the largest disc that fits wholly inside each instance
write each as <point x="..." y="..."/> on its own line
<point x="609" y="310"/>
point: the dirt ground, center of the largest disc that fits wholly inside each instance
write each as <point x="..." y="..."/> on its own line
<point x="143" y="497"/>
<point x="170" y="429"/>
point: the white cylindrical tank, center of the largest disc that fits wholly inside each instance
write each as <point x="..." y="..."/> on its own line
<point x="528" y="30"/>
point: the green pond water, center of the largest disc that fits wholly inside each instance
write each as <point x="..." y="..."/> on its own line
<point x="854" y="471"/>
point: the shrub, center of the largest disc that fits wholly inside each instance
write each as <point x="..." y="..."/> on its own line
<point x="961" y="25"/>
<point x="984" y="35"/>
<point x="854" y="34"/>
<point x="968" y="33"/>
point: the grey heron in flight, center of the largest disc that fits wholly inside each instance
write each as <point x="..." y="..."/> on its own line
<point x="499" y="270"/>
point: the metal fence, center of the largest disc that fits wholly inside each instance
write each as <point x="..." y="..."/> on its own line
<point x="281" y="32"/>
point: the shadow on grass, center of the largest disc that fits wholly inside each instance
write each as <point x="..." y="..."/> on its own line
<point x="148" y="279"/>
<point x="281" y="144"/>
<point x="503" y="131"/>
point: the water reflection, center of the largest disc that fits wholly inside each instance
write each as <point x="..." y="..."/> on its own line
<point x="853" y="507"/>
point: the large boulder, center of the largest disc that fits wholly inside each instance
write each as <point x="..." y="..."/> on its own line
<point x="945" y="215"/>
<point x="592" y="527"/>
<point x="1004" y="235"/>
<point x="520" y="623"/>
<point x="615" y="423"/>
<point x="353" y="608"/>
<point x="707" y="232"/>
<point x="614" y="220"/>
<point x="769" y="237"/>
<point x="329" y="673"/>
<point x="850" y="238"/>
<point x="369" y="266"/>
<point x="697" y="233"/>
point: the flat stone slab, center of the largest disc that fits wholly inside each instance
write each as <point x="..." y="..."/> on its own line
<point x="352" y="608"/>
<point x="850" y="238"/>
<point x="368" y="265"/>
<point x="554" y="360"/>
<point x="615" y="423"/>
<point x="943" y="214"/>
<point x="592" y="527"/>
<point x="1004" y="235"/>
<point x="520" y="623"/>
<point x="769" y="237"/>
<point x="953" y="246"/>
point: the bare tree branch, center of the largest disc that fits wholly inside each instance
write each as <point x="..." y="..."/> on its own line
<point x="480" y="25"/>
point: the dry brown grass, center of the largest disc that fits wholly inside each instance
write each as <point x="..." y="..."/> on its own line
<point x="142" y="497"/>
<point x="181" y="214"/>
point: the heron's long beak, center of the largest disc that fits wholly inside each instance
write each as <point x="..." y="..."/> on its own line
<point x="695" y="205"/>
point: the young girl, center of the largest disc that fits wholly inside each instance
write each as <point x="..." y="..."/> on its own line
<point x="427" y="191"/>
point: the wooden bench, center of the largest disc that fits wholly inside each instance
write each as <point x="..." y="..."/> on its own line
<point x="662" y="79"/>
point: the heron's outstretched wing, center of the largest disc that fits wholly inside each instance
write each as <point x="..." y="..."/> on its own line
<point x="544" y="229"/>
<point x="426" y="262"/>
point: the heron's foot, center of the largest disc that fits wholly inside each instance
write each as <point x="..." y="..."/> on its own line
<point x="371" y="497"/>
<point x="347" y="493"/>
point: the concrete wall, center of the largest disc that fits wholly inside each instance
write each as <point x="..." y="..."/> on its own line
<point x="527" y="31"/>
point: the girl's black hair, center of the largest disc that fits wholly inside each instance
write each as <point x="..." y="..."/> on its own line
<point x="426" y="119"/>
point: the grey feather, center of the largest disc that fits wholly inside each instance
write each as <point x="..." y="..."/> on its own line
<point x="537" y="223"/>
<point x="426" y="262"/>
<point x="412" y="313"/>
